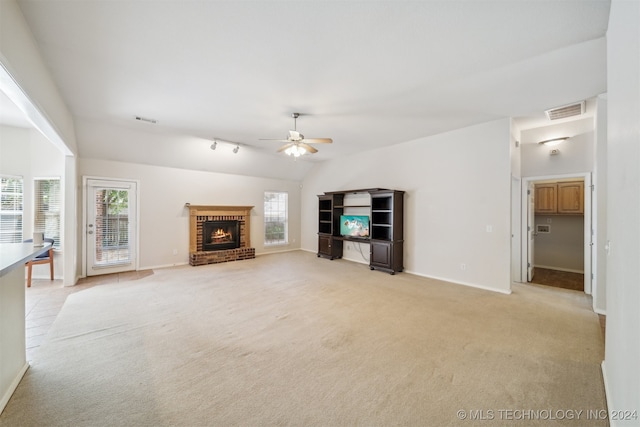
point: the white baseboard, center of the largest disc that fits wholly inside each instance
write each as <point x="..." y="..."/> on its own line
<point x="176" y="264"/>
<point x="277" y="252"/>
<point x="607" y="395"/>
<point x="455" y="282"/>
<point x="472" y="285"/>
<point x="13" y="386"/>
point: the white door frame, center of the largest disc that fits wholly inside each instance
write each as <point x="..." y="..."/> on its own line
<point x="515" y="229"/>
<point x="531" y="232"/>
<point x="589" y="226"/>
<point x="85" y="179"/>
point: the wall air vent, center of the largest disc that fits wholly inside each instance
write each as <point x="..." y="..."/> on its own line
<point x="566" y="111"/>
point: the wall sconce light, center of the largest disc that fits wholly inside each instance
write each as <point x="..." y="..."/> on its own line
<point x="554" y="141"/>
<point x="235" y="150"/>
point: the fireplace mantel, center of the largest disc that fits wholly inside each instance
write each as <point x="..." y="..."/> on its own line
<point x="200" y="213"/>
<point x="218" y="210"/>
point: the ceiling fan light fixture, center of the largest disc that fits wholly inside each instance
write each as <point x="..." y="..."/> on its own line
<point x="296" y="143"/>
<point x="295" y="151"/>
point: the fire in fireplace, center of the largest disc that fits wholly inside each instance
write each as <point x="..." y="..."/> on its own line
<point x="218" y="235"/>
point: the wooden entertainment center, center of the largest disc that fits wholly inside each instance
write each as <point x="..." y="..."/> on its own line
<point x="386" y="237"/>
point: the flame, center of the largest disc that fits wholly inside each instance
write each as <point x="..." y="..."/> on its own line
<point x="221" y="235"/>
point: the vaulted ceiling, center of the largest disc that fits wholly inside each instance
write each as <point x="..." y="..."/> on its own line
<point x="365" y="73"/>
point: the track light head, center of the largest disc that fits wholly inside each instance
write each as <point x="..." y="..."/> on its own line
<point x="235" y="150"/>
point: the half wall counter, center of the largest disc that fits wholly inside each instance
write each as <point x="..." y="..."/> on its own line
<point x="13" y="356"/>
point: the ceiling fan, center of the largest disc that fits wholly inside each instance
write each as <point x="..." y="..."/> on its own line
<point x="296" y="144"/>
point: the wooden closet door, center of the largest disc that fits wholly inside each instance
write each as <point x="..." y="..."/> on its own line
<point x="545" y="198"/>
<point x="571" y="197"/>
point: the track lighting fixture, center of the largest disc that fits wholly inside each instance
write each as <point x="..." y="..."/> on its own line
<point x="225" y="143"/>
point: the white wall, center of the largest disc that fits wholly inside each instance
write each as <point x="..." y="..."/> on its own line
<point x="563" y="247"/>
<point x="27" y="81"/>
<point x="457" y="183"/>
<point x="26" y="153"/>
<point x="576" y="153"/>
<point x="15" y="150"/>
<point x="20" y="56"/>
<point x="600" y="203"/>
<point x="516" y="208"/>
<point x="622" y="348"/>
<point x="164" y="220"/>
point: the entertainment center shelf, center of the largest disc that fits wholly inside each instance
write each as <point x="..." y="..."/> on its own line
<point x="381" y="227"/>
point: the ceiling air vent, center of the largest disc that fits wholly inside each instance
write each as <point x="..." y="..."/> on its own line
<point x="145" y="119"/>
<point x="566" y="111"/>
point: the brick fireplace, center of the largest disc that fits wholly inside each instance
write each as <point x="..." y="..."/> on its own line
<point x="223" y="220"/>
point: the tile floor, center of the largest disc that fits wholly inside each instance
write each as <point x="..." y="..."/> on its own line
<point x="45" y="298"/>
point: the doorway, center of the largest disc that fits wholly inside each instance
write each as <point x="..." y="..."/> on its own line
<point x="110" y="239"/>
<point x="531" y="230"/>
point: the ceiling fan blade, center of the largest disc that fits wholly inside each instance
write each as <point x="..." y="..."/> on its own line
<point x="318" y="140"/>
<point x="273" y="139"/>
<point x="307" y="147"/>
<point x="285" y="146"/>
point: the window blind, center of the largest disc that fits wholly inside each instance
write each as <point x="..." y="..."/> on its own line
<point x="47" y="204"/>
<point x="11" y="209"/>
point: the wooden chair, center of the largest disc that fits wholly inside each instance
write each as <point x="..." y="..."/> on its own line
<point x="45" y="258"/>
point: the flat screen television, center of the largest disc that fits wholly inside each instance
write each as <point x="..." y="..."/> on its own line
<point x="354" y="226"/>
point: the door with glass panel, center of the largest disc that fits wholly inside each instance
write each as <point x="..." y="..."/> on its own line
<point x="111" y="226"/>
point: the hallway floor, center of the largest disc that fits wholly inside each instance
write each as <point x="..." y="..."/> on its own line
<point x="559" y="279"/>
<point x="564" y="280"/>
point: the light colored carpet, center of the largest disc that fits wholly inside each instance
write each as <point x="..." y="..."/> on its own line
<point x="290" y="339"/>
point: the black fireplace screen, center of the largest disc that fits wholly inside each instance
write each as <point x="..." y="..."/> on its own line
<point x="218" y="235"/>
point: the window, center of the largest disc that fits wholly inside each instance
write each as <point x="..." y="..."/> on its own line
<point x="46" y="208"/>
<point x="112" y="227"/>
<point x="276" y="216"/>
<point x="11" y="196"/>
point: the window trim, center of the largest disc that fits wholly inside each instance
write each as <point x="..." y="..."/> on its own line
<point x="270" y="242"/>
<point x="14" y="212"/>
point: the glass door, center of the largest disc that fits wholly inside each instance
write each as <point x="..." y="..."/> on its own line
<point x="111" y="226"/>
